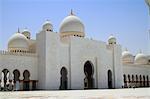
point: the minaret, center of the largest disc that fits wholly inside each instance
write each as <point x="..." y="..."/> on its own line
<point x="148" y="3"/>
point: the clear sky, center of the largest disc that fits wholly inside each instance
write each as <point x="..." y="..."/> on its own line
<point x="125" y="19"/>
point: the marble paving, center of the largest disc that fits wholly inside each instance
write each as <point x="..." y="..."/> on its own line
<point x="137" y="93"/>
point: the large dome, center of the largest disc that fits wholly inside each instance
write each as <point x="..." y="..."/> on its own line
<point x="141" y="59"/>
<point x="18" y="42"/>
<point x="127" y="57"/>
<point x="71" y="26"/>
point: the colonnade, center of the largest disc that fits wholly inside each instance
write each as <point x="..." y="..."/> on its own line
<point x="136" y="81"/>
<point x="14" y="80"/>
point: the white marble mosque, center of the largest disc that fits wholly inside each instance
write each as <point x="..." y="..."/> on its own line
<point x="69" y="60"/>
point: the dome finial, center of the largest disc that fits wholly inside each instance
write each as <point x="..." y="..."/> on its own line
<point x="71" y="13"/>
<point x="18" y="30"/>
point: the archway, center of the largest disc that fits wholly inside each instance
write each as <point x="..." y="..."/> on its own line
<point x="63" y="79"/>
<point x="16" y="75"/>
<point x="88" y="71"/>
<point x="125" y="80"/>
<point x="5" y="78"/>
<point x="143" y="80"/>
<point x="129" y="80"/>
<point x="137" y="81"/>
<point x="140" y="81"/>
<point x="109" y="73"/>
<point x="147" y="80"/>
<point x="26" y="80"/>
<point x="132" y="78"/>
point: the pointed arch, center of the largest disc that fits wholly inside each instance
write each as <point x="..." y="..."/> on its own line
<point x="63" y="79"/>
<point x="26" y="80"/>
<point x="88" y="71"/>
<point x="132" y="78"/>
<point x="140" y="81"/>
<point x="147" y="78"/>
<point x="124" y="78"/>
<point x="26" y="75"/>
<point x="129" y="80"/>
<point x="143" y="80"/>
<point x="16" y="73"/>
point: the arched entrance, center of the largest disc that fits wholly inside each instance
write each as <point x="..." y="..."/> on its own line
<point x="26" y="80"/>
<point x="140" y="81"/>
<point x="143" y="80"/>
<point x="88" y="71"/>
<point x="109" y="73"/>
<point x="63" y="79"/>
<point x="5" y="78"/>
<point x="125" y="81"/>
<point x="16" y="75"/>
<point x="147" y="80"/>
<point x="136" y="80"/>
<point x="16" y="79"/>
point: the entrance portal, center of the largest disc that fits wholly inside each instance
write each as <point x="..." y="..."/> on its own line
<point x="88" y="71"/>
<point x="63" y="79"/>
<point x="109" y="79"/>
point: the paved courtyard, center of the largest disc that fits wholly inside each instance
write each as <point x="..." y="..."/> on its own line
<point x="138" y="93"/>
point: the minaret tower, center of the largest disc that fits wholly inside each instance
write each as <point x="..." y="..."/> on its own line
<point x="148" y="3"/>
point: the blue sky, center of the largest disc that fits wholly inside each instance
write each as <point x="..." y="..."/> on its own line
<point x="125" y="19"/>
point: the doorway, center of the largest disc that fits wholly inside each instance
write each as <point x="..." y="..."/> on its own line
<point x="109" y="73"/>
<point x="63" y="79"/>
<point x="88" y="71"/>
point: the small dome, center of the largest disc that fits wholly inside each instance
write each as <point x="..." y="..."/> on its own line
<point x="26" y="33"/>
<point x="71" y="25"/>
<point x="111" y="40"/>
<point x="18" y="42"/>
<point x="127" y="57"/>
<point x="140" y="58"/>
<point x="47" y="26"/>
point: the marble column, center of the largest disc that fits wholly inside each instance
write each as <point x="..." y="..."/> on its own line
<point x="10" y="87"/>
<point x="21" y="80"/>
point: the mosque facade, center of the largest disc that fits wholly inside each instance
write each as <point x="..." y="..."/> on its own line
<point x="69" y="60"/>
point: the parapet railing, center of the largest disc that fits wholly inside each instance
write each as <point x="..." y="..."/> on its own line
<point x="5" y="52"/>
